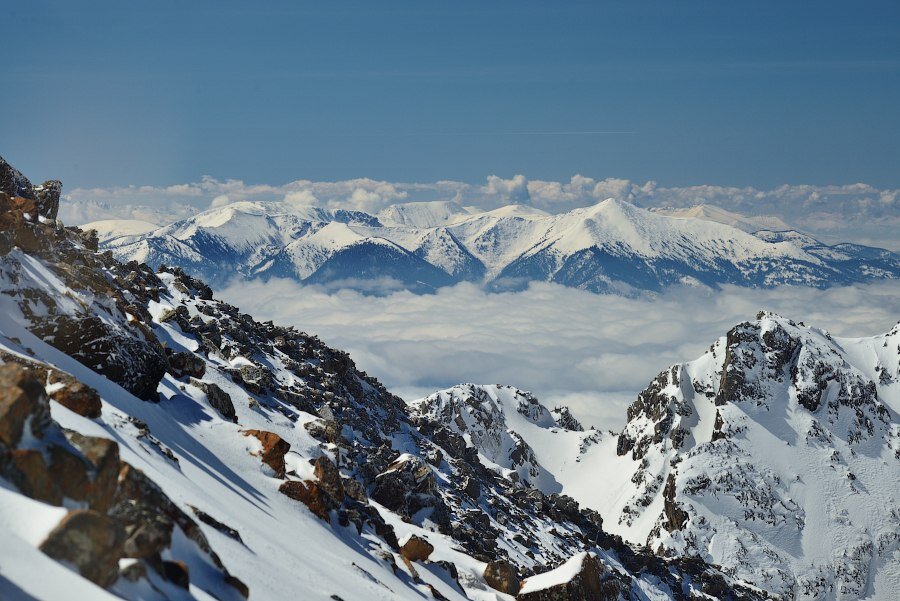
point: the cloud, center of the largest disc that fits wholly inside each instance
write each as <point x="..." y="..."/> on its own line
<point x="507" y="191"/>
<point x="592" y="352"/>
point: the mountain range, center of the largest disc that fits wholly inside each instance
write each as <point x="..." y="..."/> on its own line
<point x="612" y="247"/>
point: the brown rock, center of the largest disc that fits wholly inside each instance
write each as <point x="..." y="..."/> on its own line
<point x="80" y="398"/>
<point x="274" y="449"/>
<point x="416" y="548"/>
<point x="502" y="576"/>
<point x="89" y="541"/>
<point x="585" y="585"/>
<point x="103" y="454"/>
<point x="21" y="396"/>
<point x="29" y="472"/>
<point x="329" y="478"/>
<point x="25" y="205"/>
<point x="70" y="472"/>
<point x="310" y="494"/>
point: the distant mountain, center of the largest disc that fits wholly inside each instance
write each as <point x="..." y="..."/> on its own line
<point x="612" y="247"/>
<point x="775" y="455"/>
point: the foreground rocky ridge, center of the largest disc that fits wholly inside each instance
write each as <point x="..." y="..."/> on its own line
<point x="287" y="456"/>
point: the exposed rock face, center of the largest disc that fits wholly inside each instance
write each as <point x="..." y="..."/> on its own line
<point x="579" y="579"/>
<point x="13" y="183"/>
<point x="46" y="197"/>
<point x="137" y="365"/>
<point x="329" y="478"/>
<point x="502" y="576"/>
<point x="416" y="548"/>
<point x="218" y="398"/>
<point x="89" y="541"/>
<point x="406" y="486"/>
<point x="21" y="397"/>
<point x="183" y="364"/>
<point x="310" y="494"/>
<point x="747" y="444"/>
<point x="273" y="451"/>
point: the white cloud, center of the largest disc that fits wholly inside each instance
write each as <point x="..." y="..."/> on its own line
<point x="507" y="191"/>
<point x="568" y="346"/>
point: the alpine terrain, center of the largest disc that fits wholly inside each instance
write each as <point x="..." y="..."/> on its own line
<point x="156" y="443"/>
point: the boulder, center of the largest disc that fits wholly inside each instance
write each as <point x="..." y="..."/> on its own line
<point x="183" y="364"/>
<point x="329" y="478"/>
<point x="273" y="451"/>
<point x="218" y="399"/>
<point x="90" y="542"/>
<point x="416" y="548"/>
<point x="78" y="397"/>
<point x="256" y="379"/>
<point x="578" y="579"/>
<point x="310" y="494"/>
<point x="125" y="357"/>
<point x="21" y="397"/>
<point x="502" y="576"/>
<point x="406" y="486"/>
<point x="103" y="455"/>
<point x="46" y="196"/>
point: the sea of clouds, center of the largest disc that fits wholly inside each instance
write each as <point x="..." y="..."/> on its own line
<point x="591" y="352"/>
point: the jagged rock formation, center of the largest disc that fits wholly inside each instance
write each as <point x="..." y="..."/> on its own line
<point x="613" y="247"/>
<point x="780" y="454"/>
<point x="315" y="456"/>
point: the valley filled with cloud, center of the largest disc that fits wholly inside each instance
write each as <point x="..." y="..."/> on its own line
<point x="591" y="352"/>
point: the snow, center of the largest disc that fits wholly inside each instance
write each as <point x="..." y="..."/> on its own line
<point x="720" y="215"/>
<point x="108" y="229"/>
<point x="561" y="575"/>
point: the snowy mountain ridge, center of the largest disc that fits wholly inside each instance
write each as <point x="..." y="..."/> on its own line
<point x="612" y="247"/>
<point x="775" y="455"/>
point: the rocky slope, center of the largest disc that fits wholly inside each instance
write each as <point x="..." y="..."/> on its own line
<point x="156" y="443"/>
<point x="775" y="455"/>
<point x="613" y="247"/>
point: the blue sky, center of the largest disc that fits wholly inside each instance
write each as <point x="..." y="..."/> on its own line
<point x="750" y="93"/>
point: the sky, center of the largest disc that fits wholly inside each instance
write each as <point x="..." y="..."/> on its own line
<point x="111" y="93"/>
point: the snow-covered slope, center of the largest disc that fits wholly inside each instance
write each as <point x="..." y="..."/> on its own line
<point x="112" y="228"/>
<point x="156" y="443"/>
<point x="611" y="247"/>
<point x="720" y="215"/>
<point x="775" y="455"/>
